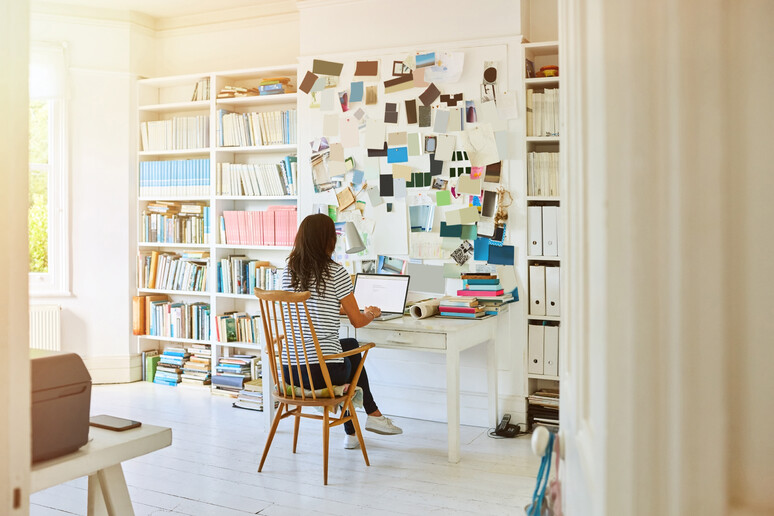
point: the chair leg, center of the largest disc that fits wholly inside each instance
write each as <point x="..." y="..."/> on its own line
<point x="271" y="434"/>
<point x="326" y="433"/>
<point x="358" y="432"/>
<point x="295" y="429"/>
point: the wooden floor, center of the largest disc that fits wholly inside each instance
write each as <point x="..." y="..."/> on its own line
<point x="210" y="469"/>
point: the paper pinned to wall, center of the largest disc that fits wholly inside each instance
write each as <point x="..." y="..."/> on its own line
<point x="429" y="95"/>
<point x="398" y="138"/>
<point x="397" y="155"/>
<point x="452" y="270"/>
<point x="419" y="78"/>
<point x="374" y="197"/>
<point x="425" y="116"/>
<point x="308" y="82"/>
<point x="413" y="144"/>
<point x="367" y="69"/>
<point x="399" y="188"/>
<point x="507" y="105"/>
<point x="481" y="249"/>
<point x="374" y="136"/>
<point x="501" y="140"/>
<point x="328" y="100"/>
<point x="391" y="229"/>
<point x="426" y="278"/>
<point x="426" y="246"/>
<point x="455" y="120"/>
<point x="356" y="92"/>
<point x="401" y="172"/>
<point x="448" y="67"/>
<point x="386" y="188"/>
<point x="321" y="67"/>
<point x="371" y="168"/>
<point x="350" y="135"/>
<point x="441" y="121"/>
<point x="467" y="215"/>
<point x="371" y="95"/>
<point x="487" y="114"/>
<point x="445" y="145"/>
<point x="468" y="185"/>
<point x="481" y="145"/>
<point x="501" y="255"/>
<point x="443" y="198"/>
<point x="330" y="125"/>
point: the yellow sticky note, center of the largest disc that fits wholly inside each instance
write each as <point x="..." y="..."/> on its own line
<point x="401" y="172"/>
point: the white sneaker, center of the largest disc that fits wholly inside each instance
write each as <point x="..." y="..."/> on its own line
<point x="351" y="442"/>
<point x="382" y="425"/>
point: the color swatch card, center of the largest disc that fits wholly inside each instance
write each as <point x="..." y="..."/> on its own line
<point x="467" y="215"/>
<point x="374" y="136"/>
<point x="328" y="100"/>
<point x="356" y="92"/>
<point x="367" y="69"/>
<point x="308" y="82"/>
<point x="501" y="255"/>
<point x="445" y="144"/>
<point x="401" y="172"/>
<point x="429" y="95"/>
<point x="330" y="125"/>
<point x="481" y="249"/>
<point x="466" y="185"/>
<point x="413" y="144"/>
<point x="441" y="121"/>
<point x="399" y="188"/>
<point x="425" y="116"/>
<point x="374" y="197"/>
<point x="321" y="67"/>
<point x="371" y="168"/>
<point x="350" y="135"/>
<point x="397" y="155"/>
<point x="396" y="139"/>
<point x="443" y="198"/>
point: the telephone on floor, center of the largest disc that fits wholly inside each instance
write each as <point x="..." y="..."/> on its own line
<point x="505" y="429"/>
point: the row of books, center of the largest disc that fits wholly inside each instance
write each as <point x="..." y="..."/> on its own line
<point x="543" y="112"/>
<point x="274" y="226"/>
<point x="481" y="294"/>
<point x="178" y="133"/>
<point x="179" y="229"/>
<point x="185" y="271"/>
<point x="256" y="179"/>
<point x="201" y="90"/>
<point x="543" y="174"/>
<point x="241" y="275"/>
<point x="256" y="129"/>
<point x="179" y="320"/>
<point x="175" y="177"/>
<point x="238" y="327"/>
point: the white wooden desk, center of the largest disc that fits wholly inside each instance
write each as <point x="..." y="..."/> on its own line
<point x="100" y="459"/>
<point x="439" y="335"/>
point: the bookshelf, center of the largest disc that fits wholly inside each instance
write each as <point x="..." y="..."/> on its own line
<point x="542" y="144"/>
<point x="187" y="139"/>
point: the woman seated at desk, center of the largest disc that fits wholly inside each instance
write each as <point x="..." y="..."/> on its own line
<point x="311" y="268"/>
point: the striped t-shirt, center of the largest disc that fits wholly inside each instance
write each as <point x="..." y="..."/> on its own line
<point x="324" y="312"/>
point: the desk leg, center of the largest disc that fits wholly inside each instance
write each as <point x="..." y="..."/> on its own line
<point x="453" y="403"/>
<point x="96" y="504"/>
<point x="115" y="493"/>
<point x="491" y="376"/>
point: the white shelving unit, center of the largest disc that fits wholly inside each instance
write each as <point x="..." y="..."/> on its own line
<point x="539" y="373"/>
<point x="167" y="97"/>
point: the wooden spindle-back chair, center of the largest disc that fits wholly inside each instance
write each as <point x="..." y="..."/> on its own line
<point x="286" y="344"/>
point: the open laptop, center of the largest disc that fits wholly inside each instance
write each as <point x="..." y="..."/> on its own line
<point x="388" y="292"/>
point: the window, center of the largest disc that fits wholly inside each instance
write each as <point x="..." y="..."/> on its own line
<point x="48" y="227"/>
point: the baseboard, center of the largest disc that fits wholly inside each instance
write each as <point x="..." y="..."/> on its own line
<point x="114" y="369"/>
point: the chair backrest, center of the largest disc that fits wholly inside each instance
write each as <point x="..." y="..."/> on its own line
<point x="285" y="343"/>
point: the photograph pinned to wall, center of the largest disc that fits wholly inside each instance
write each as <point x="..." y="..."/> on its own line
<point x="319" y="145"/>
<point x="371" y="95"/>
<point x="489" y="81"/>
<point x="448" y="67"/>
<point x="498" y="237"/>
<point x="470" y="112"/>
<point x="463" y="253"/>
<point x="390" y="113"/>
<point x="423" y="60"/>
<point x="460" y="164"/>
<point x="344" y="100"/>
<point x="401" y="83"/>
<point x="529" y="69"/>
<point x="486" y="228"/>
<point x="430" y="143"/>
<point x="399" y="68"/>
<point x="314" y="99"/>
<point x="390" y="265"/>
<point x="421" y="217"/>
<point x="345" y="198"/>
<point x="489" y="203"/>
<point x="439" y="183"/>
<point x="492" y="174"/>
<point x="476" y="172"/>
<point x="411" y="62"/>
<point x="367" y="266"/>
<point x="320" y="178"/>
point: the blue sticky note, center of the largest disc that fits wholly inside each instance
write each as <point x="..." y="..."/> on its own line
<point x="500" y="255"/>
<point x="397" y="155"/>
<point x="357" y="177"/>
<point x="356" y="92"/>
<point x="481" y="249"/>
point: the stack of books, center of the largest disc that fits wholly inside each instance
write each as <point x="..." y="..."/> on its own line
<point x="230" y="92"/>
<point x="275" y="86"/>
<point x="462" y="307"/>
<point x="480" y="285"/>
<point x="170" y="366"/>
<point x="544" y="408"/>
<point x="251" y="397"/>
<point x="231" y="373"/>
<point x="197" y="370"/>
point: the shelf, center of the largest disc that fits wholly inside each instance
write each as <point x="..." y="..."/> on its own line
<point x="198" y="105"/>
<point x="257" y="247"/>
<point x="544" y="258"/>
<point x="161" y="244"/>
<point x="236" y="296"/>
<point x="544" y="318"/>
<point x="542" y="81"/>
<point x="173" y="292"/>
<point x="542" y="377"/>
<point x="543" y="139"/>
<point x="542" y="198"/>
<point x="174" y="198"/>
<point x="542" y="48"/>
<point x="243" y="345"/>
<point x="256" y="197"/>
<point x="174" y="339"/>
<point x="176" y="152"/>
<point x="257" y="100"/>
<point x="260" y="148"/>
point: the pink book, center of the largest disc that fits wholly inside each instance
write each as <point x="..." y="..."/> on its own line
<point x="473" y="293"/>
<point x="268" y="227"/>
<point x="232" y="235"/>
<point x="459" y="309"/>
<point x="242" y="219"/>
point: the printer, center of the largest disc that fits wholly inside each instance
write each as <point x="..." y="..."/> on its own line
<point x="61" y="396"/>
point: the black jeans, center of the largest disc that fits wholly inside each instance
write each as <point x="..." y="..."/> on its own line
<point x="340" y="374"/>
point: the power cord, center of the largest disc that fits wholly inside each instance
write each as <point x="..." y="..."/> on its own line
<point x="492" y="435"/>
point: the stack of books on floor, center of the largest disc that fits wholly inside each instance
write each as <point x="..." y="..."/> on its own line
<point x="231" y="373"/>
<point x="197" y="370"/>
<point x="461" y="307"/>
<point x="170" y="366"/>
<point x="251" y="397"/>
<point x="487" y="289"/>
<point x="544" y="408"/>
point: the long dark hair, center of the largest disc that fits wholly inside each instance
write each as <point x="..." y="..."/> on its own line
<point x="309" y="261"/>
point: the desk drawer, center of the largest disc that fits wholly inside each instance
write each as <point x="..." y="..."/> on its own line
<point x="398" y="339"/>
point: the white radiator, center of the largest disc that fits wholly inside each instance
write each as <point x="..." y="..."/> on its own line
<point x="44" y="327"/>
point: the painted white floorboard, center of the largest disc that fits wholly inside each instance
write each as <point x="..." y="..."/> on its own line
<point x="211" y="467"/>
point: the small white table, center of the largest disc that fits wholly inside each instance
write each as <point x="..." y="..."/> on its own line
<point x="440" y="335"/>
<point x="100" y="459"/>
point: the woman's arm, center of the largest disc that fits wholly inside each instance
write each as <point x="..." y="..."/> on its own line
<point x="358" y="320"/>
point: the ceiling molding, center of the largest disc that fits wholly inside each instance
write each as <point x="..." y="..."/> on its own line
<point x="227" y="25"/>
<point x="261" y="13"/>
<point x="95" y="15"/>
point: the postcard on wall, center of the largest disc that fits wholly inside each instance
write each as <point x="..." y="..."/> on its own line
<point x="371" y="95"/>
<point x="367" y="69"/>
<point x="356" y="92"/>
<point x="423" y="60"/>
<point x="445" y="146"/>
<point x="308" y="82"/>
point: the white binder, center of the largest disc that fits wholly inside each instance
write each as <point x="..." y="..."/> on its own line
<point x="552" y="291"/>
<point x="537" y="290"/>
<point x="535" y="349"/>
<point x="551" y="351"/>
<point x="535" y="230"/>
<point x="550" y="233"/>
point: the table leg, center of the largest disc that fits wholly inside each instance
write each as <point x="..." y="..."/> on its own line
<point x="491" y="377"/>
<point x="115" y="491"/>
<point x="453" y="403"/>
<point x="96" y="503"/>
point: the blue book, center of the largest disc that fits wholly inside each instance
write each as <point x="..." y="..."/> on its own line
<point x="163" y="381"/>
<point x="473" y="281"/>
<point x="482" y="287"/>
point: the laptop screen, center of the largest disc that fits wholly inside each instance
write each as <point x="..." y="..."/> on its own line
<point x="386" y="291"/>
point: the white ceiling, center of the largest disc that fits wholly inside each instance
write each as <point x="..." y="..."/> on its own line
<point x="167" y="8"/>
